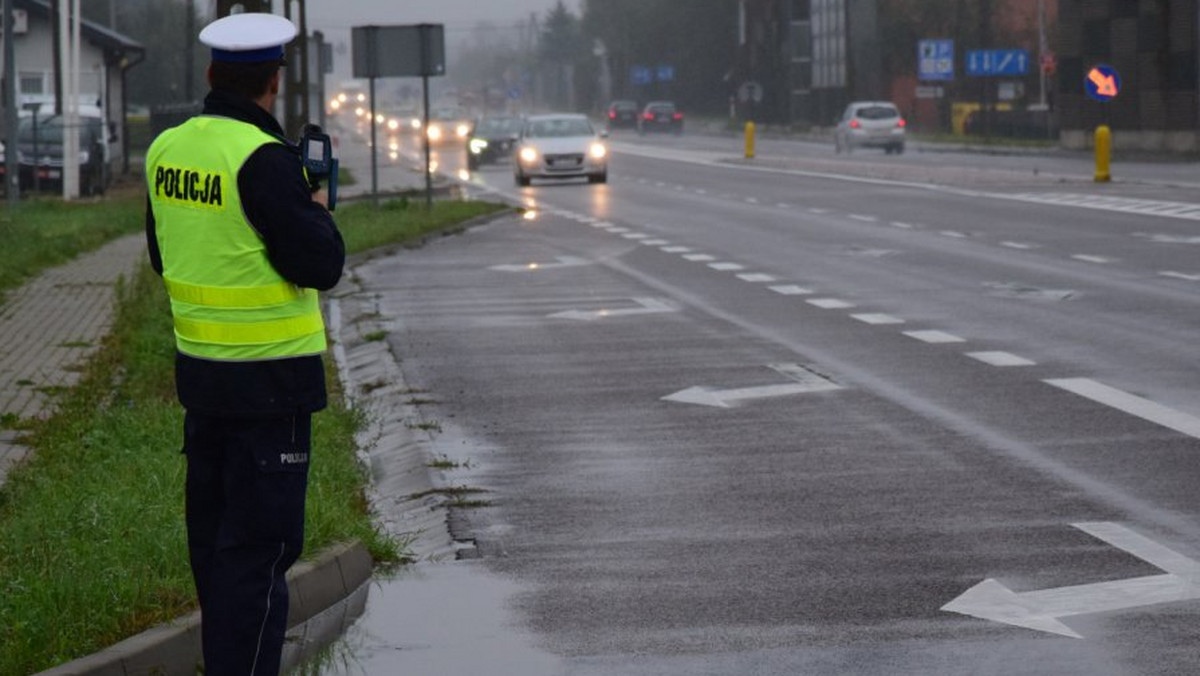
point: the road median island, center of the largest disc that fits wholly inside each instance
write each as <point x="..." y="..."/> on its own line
<point x="92" y="542"/>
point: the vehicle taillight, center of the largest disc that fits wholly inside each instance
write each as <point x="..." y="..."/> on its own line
<point x="854" y="124"/>
<point x="648" y="116"/>
<point x="677" y="116"/>
<point x="901" y="123"/>
<point x="612" y="114"/>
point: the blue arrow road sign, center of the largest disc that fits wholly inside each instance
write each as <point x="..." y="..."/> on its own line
<point x="935" y="59"/>
<point x="985" y="62"/>
<point x="640" y="75"/>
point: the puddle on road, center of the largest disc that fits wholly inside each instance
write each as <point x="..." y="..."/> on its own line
<point x="434" y="619"/>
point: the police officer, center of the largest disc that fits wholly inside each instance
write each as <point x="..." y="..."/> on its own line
<point x="243" y="245"/>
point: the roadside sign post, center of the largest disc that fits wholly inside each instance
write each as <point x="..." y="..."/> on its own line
<point x="400" y="51"/>
<point x="1102" y="83"/>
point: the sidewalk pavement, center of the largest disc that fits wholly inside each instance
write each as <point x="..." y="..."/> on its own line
<point x="52" y="325"/>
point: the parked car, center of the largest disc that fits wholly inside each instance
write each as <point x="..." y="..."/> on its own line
<point x="560" y="146"/>
<point x="870" y="124"/>
<point x="622" y="114"/>
<point x="660" y="116"/>
<point x="491" y="139"/>
<point x="39" y="150"/>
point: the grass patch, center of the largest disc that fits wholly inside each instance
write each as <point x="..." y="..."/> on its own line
<point x="92" y="540"/>
<point x="375" y="336"/>
<point x="366" y="227"/>
<point x="43" y="232"/>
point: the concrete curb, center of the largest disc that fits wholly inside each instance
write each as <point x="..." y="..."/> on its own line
<point x="315" y="588"/>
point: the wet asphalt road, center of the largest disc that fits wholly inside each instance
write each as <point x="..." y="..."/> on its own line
<point x="733" y="421"/>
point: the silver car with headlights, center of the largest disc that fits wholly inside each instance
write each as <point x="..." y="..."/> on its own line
<point x="560" y="146"/>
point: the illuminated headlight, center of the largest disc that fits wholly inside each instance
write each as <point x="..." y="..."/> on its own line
<point x="598" y="151"/>
<point x="462" y="130"/>
<point x="435" y="132"/>
<point x="416" y="124"/>
<point x="393" y="124"/>
<point x="529" y="155"/>
<point x="341" y="98"/>
<point x="361" y="98"/>
<point x="477" y="145"/>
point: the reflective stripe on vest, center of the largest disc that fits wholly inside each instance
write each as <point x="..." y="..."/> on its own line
<point x="228" y="301"/>
<point x="233" y="297"/>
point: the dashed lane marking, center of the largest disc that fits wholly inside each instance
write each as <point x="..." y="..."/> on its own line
<point x="755" y="277"/>
<point x="830" y="303"/>
<point x="676" y="249"/>
<point x="1131" y="404"/>
<point x="1088" y="258"/>
<point x="791" y="290"/>
<point x="726" y="267"/>
<point x="934" y="337"/>
<point x="1000" y="359"/>
<point x="863" y="218"/>
<point x="1180" y="275"/>
<point x="699" y="258"/>
<point x="877" y="318"/>
<point x="1017" y="245"/>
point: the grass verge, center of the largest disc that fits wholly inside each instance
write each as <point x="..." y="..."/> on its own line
<point x="40" y="233"/>
<point x="92" y="541"/>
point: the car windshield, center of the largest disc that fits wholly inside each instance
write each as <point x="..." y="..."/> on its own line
<point x="50" y="130"/>
<point x="661" y="108"/>
<point x="876" y="113"/>
<point x="560" y="127"/>
<point x="624" y="105"/>
<point x="498" y="126"/>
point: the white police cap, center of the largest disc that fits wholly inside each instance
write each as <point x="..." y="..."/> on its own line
<point x="249" y="37"/>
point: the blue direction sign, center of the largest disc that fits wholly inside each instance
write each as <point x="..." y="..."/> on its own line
<point x="990" y="62"/>
<point x="935" y="59"/>
<point x="641" y="75"/>
<point x="665" y="72"/>
<point x="1103" y="83"/>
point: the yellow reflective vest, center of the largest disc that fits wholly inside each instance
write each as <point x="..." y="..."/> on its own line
<point x="228" y="302"/>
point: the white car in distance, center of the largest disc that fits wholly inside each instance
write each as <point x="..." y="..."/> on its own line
<point x="560" y="146"/>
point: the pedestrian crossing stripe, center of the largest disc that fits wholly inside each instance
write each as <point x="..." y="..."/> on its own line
<point x="1183" y="210"/>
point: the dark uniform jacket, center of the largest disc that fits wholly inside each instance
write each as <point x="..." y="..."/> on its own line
<point x="303" y="245"/>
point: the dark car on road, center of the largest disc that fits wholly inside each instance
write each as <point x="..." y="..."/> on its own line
<point x="622" y="114"/>
<point x="492" y="138"/>
<point x="660" y="116"/>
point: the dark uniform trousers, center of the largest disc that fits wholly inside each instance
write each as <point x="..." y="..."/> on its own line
<point x="246" y="483"/>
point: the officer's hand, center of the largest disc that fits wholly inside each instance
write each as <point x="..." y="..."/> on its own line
<point x="321" y="197"/>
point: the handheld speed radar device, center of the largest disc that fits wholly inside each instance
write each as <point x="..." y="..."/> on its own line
<point x="316" y="154"/>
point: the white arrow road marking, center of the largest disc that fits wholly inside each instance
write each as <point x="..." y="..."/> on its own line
<point x="647" y="306"/>
<point x="561" y="262"/>
<point x="1041" y="610"/>
<point x="805" y="381"/>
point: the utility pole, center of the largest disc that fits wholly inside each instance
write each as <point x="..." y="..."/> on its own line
<point x="11" y="119"/>
<point x="985" y="83"/>
<point x="189" y="54"/>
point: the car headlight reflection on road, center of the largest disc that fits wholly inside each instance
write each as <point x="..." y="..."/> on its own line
<point x="598" y="151"/>
<point x="529" y="155"/>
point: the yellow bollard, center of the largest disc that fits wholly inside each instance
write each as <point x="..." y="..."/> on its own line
<point x="749" y="140"/>
<point x="1103" y="153"/>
